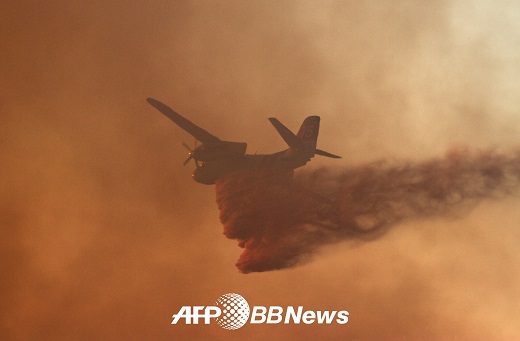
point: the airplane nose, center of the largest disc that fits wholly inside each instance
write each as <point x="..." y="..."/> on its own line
<point x="200" y="176"/>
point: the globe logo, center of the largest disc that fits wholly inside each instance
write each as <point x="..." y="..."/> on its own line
<point x="235" y="311"/>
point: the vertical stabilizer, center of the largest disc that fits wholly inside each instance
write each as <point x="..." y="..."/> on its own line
<point x="308" y="132"/>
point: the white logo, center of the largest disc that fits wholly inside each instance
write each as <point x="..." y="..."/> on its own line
<point x="232" y="312"/>
<point x="235" y="311"/>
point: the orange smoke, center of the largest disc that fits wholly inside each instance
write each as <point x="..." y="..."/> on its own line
<point x="281" y="220"/>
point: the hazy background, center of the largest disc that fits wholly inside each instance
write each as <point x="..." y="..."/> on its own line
<point x="104" y="234"/>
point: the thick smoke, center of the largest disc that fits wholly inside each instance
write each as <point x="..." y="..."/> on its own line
<point x="281" y="220"/>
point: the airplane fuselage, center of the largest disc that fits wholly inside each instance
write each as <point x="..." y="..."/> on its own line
<point x="286" y="160"/>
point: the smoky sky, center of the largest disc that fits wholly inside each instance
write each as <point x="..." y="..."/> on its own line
<point x="104" y="234"/>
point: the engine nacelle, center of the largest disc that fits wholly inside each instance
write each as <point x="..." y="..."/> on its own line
<point x="219" y="151"/>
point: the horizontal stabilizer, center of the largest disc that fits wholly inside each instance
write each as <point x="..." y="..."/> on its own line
<point x="324" y="153"/>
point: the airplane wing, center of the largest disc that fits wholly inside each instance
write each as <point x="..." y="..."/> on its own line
<point x="196" y="131"/>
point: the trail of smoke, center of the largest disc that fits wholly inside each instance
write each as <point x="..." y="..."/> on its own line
<point x="280" y="220"/>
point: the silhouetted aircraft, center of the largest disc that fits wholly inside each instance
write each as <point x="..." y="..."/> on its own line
<point x="215" y="157"/>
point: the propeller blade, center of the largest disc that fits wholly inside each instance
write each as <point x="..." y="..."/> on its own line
<point x="191" y="152"/>
<point x="186" y="146"/>
<point x="187" y="160"/>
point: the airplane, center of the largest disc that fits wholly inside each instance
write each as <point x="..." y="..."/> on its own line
<point x="215" y="157"/>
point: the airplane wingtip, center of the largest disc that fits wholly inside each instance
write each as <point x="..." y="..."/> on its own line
<point x="157" y="104"/>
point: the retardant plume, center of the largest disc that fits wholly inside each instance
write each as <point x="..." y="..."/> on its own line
<point x="281" y="220"/>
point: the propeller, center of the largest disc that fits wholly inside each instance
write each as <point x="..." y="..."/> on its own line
<point x="191" y="153"/>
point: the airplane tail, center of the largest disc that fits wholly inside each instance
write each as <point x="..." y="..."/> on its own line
<point x="306" y="138"/>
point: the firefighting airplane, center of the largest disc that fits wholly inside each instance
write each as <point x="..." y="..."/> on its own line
<point x="215" y="157"/>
